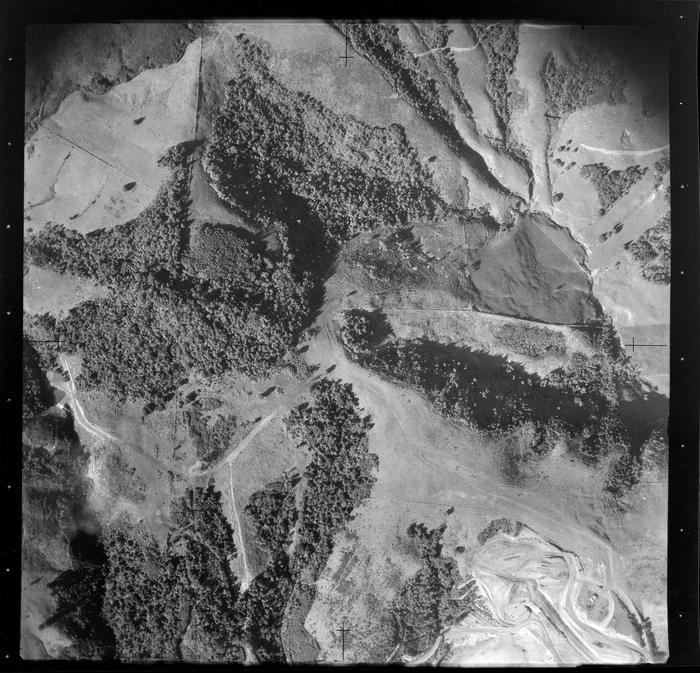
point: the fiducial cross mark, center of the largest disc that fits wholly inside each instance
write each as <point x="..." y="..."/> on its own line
<point x="636" y="345"/>
<point x="56" y="341"/>
<point x="342" y="632"/>
<point x="346" y="57"/>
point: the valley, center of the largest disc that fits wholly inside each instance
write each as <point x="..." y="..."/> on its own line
<point x="349" y="346"/>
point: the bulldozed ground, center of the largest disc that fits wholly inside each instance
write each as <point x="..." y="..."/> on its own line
<point x="518" y="253"/>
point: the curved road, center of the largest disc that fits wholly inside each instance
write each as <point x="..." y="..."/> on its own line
<point x="395" y="409"/>
<point x="531" y="585"/>
<point x="431" y="460"/>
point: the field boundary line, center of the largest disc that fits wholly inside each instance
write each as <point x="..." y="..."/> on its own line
<point x="199" y="85"/>
<point x="104" y="161"/>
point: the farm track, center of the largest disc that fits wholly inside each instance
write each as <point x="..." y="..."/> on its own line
<point x="537" y="589"/>
<point x="621" y="153"/>
<point x="230" y="456"/>
<point x="481" y="493"/>
<point x="100" y="433"/>
<point x="245" y="583"/>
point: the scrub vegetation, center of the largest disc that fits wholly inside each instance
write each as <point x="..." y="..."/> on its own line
<point x="381" y="44"/>
<point x="427" y="602"/>
<point x="612" y="185"/>
<point x="533" y="342"/>
<point x="159" y="598"/>
<point x="36" y="391"/>
<point x="436" y="35"/>
<point x="58" y="523"/>
<point x="210" y="437"/>
<point x="340" y="473"/>
<point x="492" y="395"/>
<point x="652" y="251"/>
<point x="284" y="159"/>
<point x="216" y="304"/>
<point x="499" y="43"/>
<point x="631" y="467"/>
<point x="589" y="75"/>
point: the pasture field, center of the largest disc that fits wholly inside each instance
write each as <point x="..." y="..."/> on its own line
<point x="494" y="197"/>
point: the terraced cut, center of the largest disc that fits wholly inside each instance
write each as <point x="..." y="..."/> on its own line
<point x="352" y="360"/>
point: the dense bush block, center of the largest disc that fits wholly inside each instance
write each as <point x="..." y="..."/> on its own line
<point x="274" y="514"/>
<point x="36" y="390"/>
<point x="425" y="604"/>
<point x="339" y="475"/>
<point x="652" y="251"/>
<point x="211" y="304"/>
<point x="272" y="146"/>
<point x="612" y="185"/>
<point x="495" y="396"/>
<point x="531" y="341"/>
<point x="156" y="596"/>
<point x="296" y="519"/>
<point x="263" y="606"/>
<point x="589" y="76"/>
<point x="499" y="42"/>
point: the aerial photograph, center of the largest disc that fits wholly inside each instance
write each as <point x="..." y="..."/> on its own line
<point x="346" y="343"/>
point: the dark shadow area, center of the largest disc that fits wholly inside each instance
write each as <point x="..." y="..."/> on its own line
<point x="87" y="548"/>
<point x="483" y="390"/>
<point x="642" y="416"/>
<point x="37" y="392"/>
<point x="57" y="515"/>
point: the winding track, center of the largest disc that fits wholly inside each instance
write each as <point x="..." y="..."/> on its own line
<point x="525" y="573"/>
<point x="412" y="412"/>
<point x="100" y="433"/>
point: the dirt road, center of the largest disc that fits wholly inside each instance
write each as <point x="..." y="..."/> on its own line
<point x="99" y="433"/>
<point x="633" y="153"/>
<point x="531" y="588"/>
<point x="246" y="579"/>
<point x="404" y="410"/>
<point x="460" y="474"/>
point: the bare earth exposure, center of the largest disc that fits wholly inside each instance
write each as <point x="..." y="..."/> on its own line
<point x="356" y="360"/>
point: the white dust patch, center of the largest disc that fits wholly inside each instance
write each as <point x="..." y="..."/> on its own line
<point x="530" y="593"/>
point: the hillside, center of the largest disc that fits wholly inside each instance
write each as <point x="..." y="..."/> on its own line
<point x="332" y="359"/>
